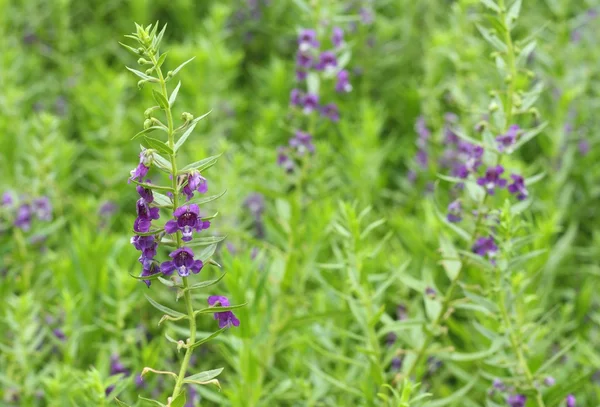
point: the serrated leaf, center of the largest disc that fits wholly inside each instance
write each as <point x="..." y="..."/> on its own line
<point x="164" y="309"/>
<point x="189" y="130"/>
<point x="173" y="96"/>
<point x="160" y="99"/>
<point x="142" y="75"/>
<point x="208" y="338"/>
<point x="176" y="71"/>
<point x="158" y="145"/>
<point x="146" y="131"/>
<point x="204" y="376"/>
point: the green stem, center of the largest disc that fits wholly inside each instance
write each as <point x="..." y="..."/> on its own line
<point x="186" y="296"/>
<point x="508" y="106"/>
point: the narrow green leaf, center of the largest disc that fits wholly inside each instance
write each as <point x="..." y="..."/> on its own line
<point x="204" y="376"/>
<point x="212" y="310"/>
<point x="189" y="130"/>
<point x="161" y="59"/>
<point x="203" y="284"/>
<point x="202" y="201"/>
<point x="143" y="75"/>
<point x="162" y="200"/>
<point x="474" y="356"/>
<point x="513" y="13"/>
<point x="121" y="404"/>
<point x="162" y="163"/>
<point x="208" y="338"/>
<point x="529" y="135"/>
<point x="492" y="38"/>
<point x="205" y="241"/>
<point x="491" y="5"/>
<point x="151" y="401"/>
<point x="176" y="71"/>
<point x="179" y="400"/>
<point x="158" y="145"/>
<point x="173" y="96"/>
<point x="152" y="186"/>
<point x="131" y="49"/>
<point x="457" y="396"/>
<point x="146" y="131"/>
<point x="451" y="260"/>
<point x="202" y="164"/>
<point x="154" y="276"/>
<point x="164" y="309"/>
<point x="207" y="253"/>
<point x="160" y="99"/>
<point x="459" y="231"/>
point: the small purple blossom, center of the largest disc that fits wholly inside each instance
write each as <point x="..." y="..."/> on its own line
<point x="454" y="212"/>
<point x="145" y="193"/>
<point x="492" y="179"/>
<point x="304" y="60"/>
<point x="284" y="160"/>
<point x="469" y="159"/>
<point x="149" y="268"/>
<point x="107" y="209"/>
<point x="23" y="219"/>
<point x="507" y="141"/>
<point x="307" y="39"/>
<point x="430" y="292"/>
<point x="337" y="37"/>
<point x="310" y="103"/>
<point x="499" y="385"/>
<point x="327" y="62"/>
<point x="331" y="111"/>
<point x="183" y="261"/>
<point x="296" y="97"/>
<point x="570" y="400"/>
<point x="421" y="128"/>
<point x="366" y="16"/>
<point x="302" y="143"/>
<point x="485" y="246"/>
<point x="116" y="367"/>
<point x="143" y="167"/>
<point x="518" y="187"/>
<point x="516" y="400"/>
<point x="422" y="158"/>
<point x="549" y="381"/>
<point x="343" y="83"/>
<point x="301" y="75"/>
<point x="396" y="363"/>
<point x="146" y="244"/>
<point x="187" y="221"/>
<point x="59" y="334"/>
<point x="584" y="147"/>
<point x="7" y="199"/>
<point x="225" y="318"/>
<point x="195" y="182"/>
<point x="255" y="203"/>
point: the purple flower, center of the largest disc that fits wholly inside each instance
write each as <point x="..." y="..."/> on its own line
<point x="188" y="220"/>
<point x="401" y="313"/>
<point x="518" y="187"/>
<point x="366" y="16"/>
<point x="310" y="103"/>
<point x="337" y="37"/>
<point x="146" y="244"/>
<point x="59" y="334"/>
<point x="492" y="179"/>
<point x="302" y="142"/>
<point x="283" y="160"/>
<point x="107" y="209"/>
<point x="485" y="246"/>
<point x="139" y="381"/>
<point x="145" y="193"/>
<point x="507" y="141"/>
<point x="225" y="318"/>
<point x="343" y="84"/>
<point x="570" y="400"/>
<point x="23" y="220"/>
<point x="331" y="111"/>
<point x="116" y="367"/>
<point x="584" y="147"/>
<point x="301" y="75"/>
<point x="469" y="156"/>
<point x="327" y="62"/>
<point x="430" y="292"/>
<point x="195" y="182"/>
<point x="304" y="60"/>
<point x="307" y="39"/>
<point x="141" y="170"/>
<point x="422" y="158"/>
<point x="549" y="381"/>
<point x="149" y="268"/>
<point x="421" y="128"/>
<point x="296" y="97"/>
<point x="516" y="400"/>
<point x="7" y="199"/>
<point x="183" y="261"/>
<point x="499" y="385"/>
<point x="255" y="203"/>
<point x="192" y="398"/>
<point x="396" y="363"/>
<point x="454" y="212"/>
<point x="145" y="213"/>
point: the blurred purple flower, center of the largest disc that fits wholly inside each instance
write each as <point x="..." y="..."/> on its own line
<point x="507" y="141"/>
<point x="485" y="246"/>
<point x="570" y="400"/>
<point x="518" y="187"/>
<point x="584" y="147"/>
<point x="492" y="179"/>
<point x="343" y="83"/>
<point x="307" y="39"/>
<point x="331" y="111"/>
<point x="327" y="62"/>
<point x="454" y="211"/>
<point x="516" y="400"/>
<point x="337" y="37"/>
<point x="302" y="143"/>
<point x="225" y="318"/>
<point x="23" y="220"/>
<point x="310" y="103"/>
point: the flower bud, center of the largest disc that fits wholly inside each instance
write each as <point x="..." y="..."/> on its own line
<point x="517" y="101"/>
<point x="493" y="106"/>
<point x="187" y="117"/>
<point x="534" y="112"/>
<point x="143" y="61"/>
<point x="147" y="123"/>
<point x="147" y="157"/>
<point x="169" y="74"/>
<point x="140" y="51"/>
<point x="149" y="111"/>
<point x="149" y="71"/>
<point x="141" y="83"/>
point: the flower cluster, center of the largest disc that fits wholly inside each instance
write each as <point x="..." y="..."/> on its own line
<point x="22" y="211"/>
<point x="325" y="65"/>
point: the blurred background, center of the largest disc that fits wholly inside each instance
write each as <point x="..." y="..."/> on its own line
<point x="75" y="327"/>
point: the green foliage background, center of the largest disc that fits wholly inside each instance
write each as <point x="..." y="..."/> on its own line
<point x="322" y="291"/>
